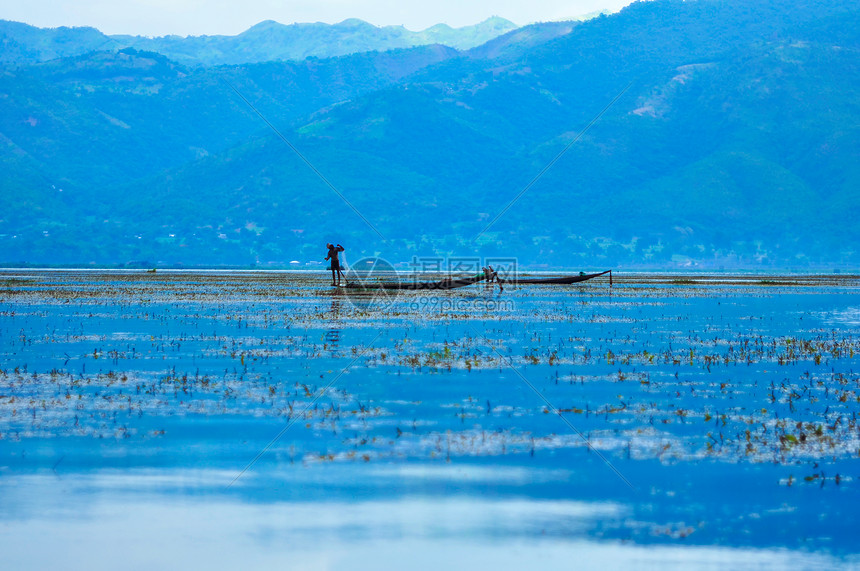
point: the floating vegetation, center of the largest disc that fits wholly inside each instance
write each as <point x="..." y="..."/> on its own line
<point x="128" y="355"/>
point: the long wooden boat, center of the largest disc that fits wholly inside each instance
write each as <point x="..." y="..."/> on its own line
<point x="564" y="280"/>
<point x="447" y="283"/>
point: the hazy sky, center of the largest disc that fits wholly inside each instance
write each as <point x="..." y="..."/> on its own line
<point x="197" y="17"/>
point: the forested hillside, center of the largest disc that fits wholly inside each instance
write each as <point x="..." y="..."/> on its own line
<point x="734" y="142"/>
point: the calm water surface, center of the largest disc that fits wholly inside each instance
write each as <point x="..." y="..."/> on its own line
<point x="230" y="420"/>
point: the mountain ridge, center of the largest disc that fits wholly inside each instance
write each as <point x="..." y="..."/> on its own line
<point x="265" y="41"/>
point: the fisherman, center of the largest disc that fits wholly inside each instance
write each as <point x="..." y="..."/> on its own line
<point x="333" y="251"/>
<point x="490" y="274"/>
<point x="493" y="276"/>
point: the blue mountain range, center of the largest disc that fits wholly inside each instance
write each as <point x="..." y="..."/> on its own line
<point x="699" y="134"/>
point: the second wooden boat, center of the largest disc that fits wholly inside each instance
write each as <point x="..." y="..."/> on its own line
<point x="562" y="280"/>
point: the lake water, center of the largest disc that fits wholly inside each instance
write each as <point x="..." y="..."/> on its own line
<point x="261" y="419"/>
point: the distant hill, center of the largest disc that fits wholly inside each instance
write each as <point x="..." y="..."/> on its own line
<point x="25" y="44"/>
<point x="736" y="144"/>
<point x="266" y="41"/>
<point x="105" y="118"/>
<point x="462" y="38"/>
<point x="514" y="44"/>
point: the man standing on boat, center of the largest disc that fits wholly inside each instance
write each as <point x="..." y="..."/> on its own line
<point x="333" y="251"/>
<point x="493" y="276"/>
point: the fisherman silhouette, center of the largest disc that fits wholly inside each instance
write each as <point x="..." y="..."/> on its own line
<point x="333" y="251"/>
<point x="493" y="276"/>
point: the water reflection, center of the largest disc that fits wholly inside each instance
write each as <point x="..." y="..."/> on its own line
<point x="113" y="520"/>
<point x="332" y="336"/>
